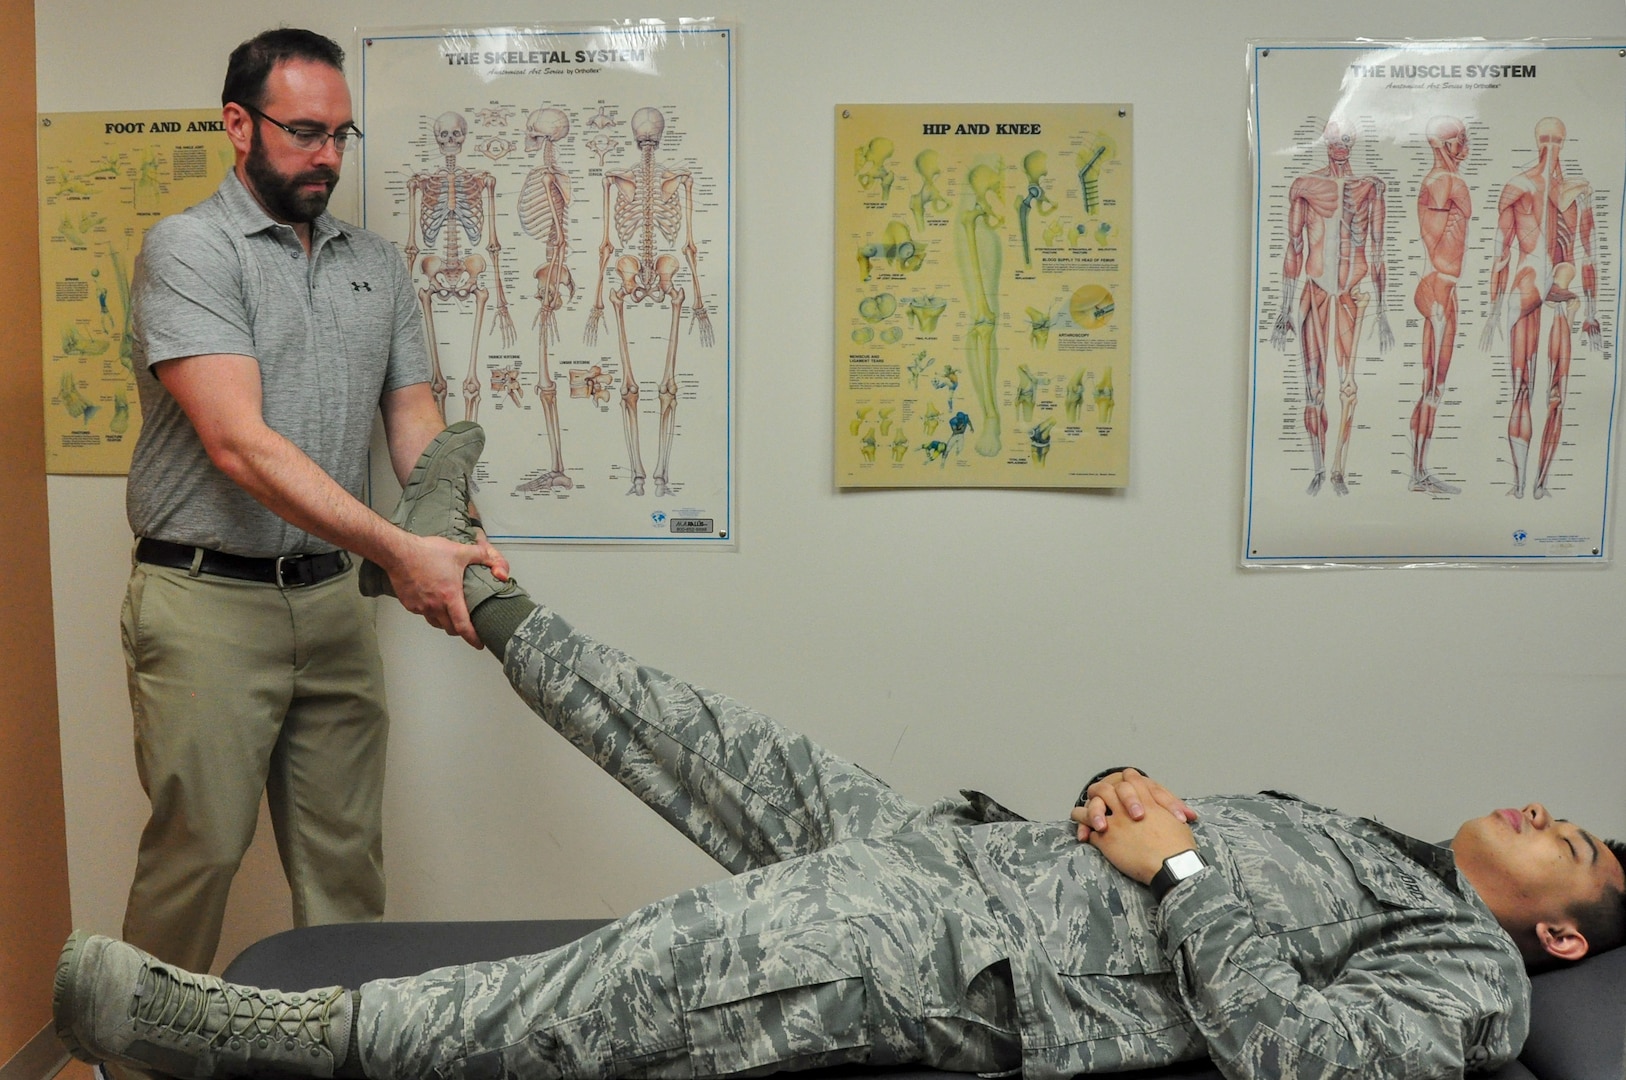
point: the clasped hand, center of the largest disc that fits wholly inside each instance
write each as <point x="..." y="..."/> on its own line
<point x="1135" y="822"/>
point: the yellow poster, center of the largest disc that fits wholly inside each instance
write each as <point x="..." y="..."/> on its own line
<point x="982" y="297"/>
<point x="105" y="178"/>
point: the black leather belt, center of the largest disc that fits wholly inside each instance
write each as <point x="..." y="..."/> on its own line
<point x="283" y="571"/>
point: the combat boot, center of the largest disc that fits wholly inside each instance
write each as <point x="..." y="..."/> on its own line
<point x="435" y="499"/>
<point x="113" y="1002"/>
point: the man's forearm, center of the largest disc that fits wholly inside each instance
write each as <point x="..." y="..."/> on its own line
<point x="286" y="481"/>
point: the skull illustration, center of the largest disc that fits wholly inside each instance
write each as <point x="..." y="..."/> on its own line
<point x="648" y="125"/>
<point x="545" y="126"/>
<point x="450" y="131"/>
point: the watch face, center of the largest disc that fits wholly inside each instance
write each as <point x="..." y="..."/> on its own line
<point x="1183" y="865"/>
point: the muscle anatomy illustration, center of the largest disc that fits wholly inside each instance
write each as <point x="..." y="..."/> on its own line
<point x="977" y="250"/>
<point x="544" y="204"/>
<point x="1444" y="207"/>
<point x="1544" y="253"/>
<point x="650" y="207"/>
<point x="1335" y="241"/>
<point x="446" y="206"/>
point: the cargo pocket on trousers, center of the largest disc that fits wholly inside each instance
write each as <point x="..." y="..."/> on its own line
<point x="575" y="1048"/>
<point x="758" y="1000"/>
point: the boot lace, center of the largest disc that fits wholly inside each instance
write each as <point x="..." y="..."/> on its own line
<point x="217" y="1011"/>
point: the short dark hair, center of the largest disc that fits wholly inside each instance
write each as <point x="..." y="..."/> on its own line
<point x="252" y="61"/>
<point x="1603" y="921"/>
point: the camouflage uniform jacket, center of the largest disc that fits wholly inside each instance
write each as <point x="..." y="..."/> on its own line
<point x="1314" y="945"/>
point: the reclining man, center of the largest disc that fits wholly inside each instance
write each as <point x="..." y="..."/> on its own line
<point x="1277" y="937"/>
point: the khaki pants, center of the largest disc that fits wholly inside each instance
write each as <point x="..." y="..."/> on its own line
<point x="240" y="687"/>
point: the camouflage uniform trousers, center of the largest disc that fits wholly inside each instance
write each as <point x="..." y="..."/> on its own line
<point x="854" y="931"/>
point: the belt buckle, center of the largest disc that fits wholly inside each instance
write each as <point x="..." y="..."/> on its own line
<point x="291" y="560"/>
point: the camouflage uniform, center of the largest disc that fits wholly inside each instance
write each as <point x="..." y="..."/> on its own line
<point x="861" y="927"/>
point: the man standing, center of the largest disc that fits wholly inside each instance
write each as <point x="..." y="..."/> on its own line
<point x="1335" y="239"/>
<point x="1544" y="227"/>
<point x="267" y="334"/>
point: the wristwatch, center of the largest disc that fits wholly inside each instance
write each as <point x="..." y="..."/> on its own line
<point x="1176" y="868"/>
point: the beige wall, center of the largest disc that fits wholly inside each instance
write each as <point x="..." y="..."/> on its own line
<point x="1013" y="641"/>
<point x="33" y="847"/>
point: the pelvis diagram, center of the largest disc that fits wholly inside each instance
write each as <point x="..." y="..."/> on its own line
<point x="644" y="226"/>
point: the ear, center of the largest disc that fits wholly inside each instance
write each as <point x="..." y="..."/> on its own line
<point x="239" y="127"/>
<point x="1562" y="940"/>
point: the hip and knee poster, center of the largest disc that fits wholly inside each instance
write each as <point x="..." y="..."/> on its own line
<point x="1436" y="299"/>
<point x="982" y="295"/>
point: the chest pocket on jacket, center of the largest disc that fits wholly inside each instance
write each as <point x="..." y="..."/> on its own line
<point x="1340" y="890"/>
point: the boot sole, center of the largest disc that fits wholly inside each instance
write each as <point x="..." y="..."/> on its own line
<point x="372" y="580"/>
<point x="454" y="438"/>
<point x="65" y="1002"/>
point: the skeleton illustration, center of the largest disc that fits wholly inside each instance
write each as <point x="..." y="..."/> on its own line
<point x="452" y="199"/>
<point x="928" y="199"/>
<point x="870" y="167"/>
<point x="1036" y="166"/>
<point x="977" y="250"/>
<point x="602" y="142"/>
<point x="648" y="204"/>
<point x="543" y="201"/>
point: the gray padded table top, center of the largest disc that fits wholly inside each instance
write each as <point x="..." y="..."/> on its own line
<point x="1577" y="1031"/>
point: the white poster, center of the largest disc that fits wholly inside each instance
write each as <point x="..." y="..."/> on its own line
<point x="564" y="199"/>
<point x="1437" y="228"/>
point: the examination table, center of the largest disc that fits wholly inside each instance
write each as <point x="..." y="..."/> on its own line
<point x="1577" y="1029"/>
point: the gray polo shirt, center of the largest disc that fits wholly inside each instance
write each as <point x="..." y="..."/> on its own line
<point x="332" y="334"/>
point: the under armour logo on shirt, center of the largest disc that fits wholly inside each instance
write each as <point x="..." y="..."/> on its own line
<point x="358" y="286"/>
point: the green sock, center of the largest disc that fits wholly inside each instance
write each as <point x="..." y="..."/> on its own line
<point x="496" y="619"/>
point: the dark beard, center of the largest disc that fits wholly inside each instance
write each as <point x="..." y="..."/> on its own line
<point x="280" y="195"/>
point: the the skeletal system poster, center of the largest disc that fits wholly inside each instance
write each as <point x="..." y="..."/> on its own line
<point x="1436" y="301"/>
<point x="563" y="197"/>
<point x="105" y="179"/>
<point x="982" y="295"/>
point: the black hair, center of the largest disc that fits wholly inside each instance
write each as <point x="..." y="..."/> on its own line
<point x="1603" y="921"/>
<point x="251" y="62"/>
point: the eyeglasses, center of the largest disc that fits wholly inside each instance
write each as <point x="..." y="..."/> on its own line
<point x="311" y="140"/>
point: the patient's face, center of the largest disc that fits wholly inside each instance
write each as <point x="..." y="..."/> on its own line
<point x="1530" y="867"/>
